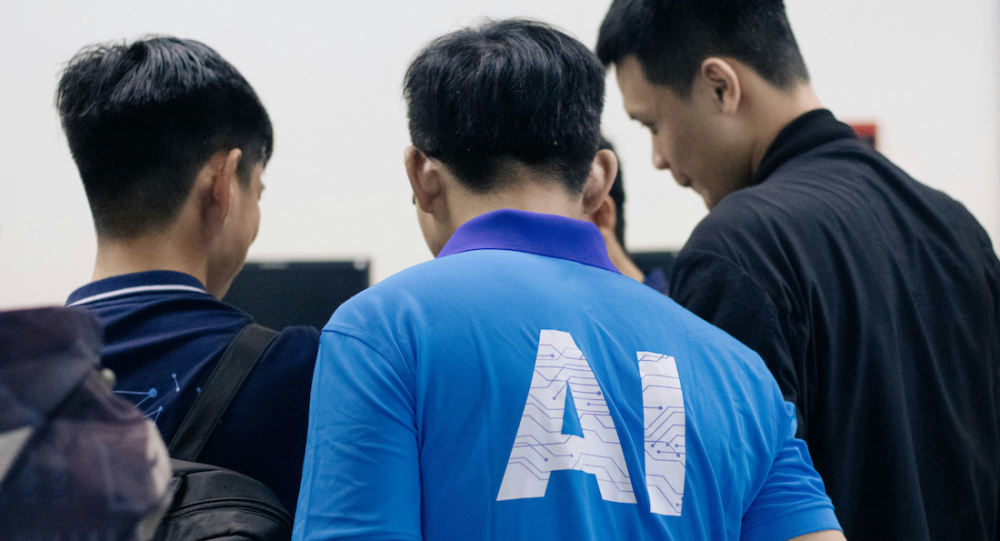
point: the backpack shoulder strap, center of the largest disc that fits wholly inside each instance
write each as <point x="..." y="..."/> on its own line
<point x="236" y="364"/>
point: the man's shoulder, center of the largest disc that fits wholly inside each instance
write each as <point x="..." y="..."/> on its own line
<point x="387" y="307"/>
<point x="837" y="186"/>
<point x="740" y="224"/>
<point x="422" y="292"/>
<point x="299" y="333"/>
<point x="710" y="344"/>
<point x="296" y="344"/>
<point x="471" y="273"/>
<point x="842" y="189"/>
<point x="194" y="326"/>
<point x="502" y="285"/>
<point x="481" y="274"/>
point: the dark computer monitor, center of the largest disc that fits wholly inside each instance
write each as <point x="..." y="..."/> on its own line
<point x="279" y="294"/>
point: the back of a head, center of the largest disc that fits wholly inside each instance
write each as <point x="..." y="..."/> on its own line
<point x="671" y="38"/>
<point x="143" y="118"/>
<point x="507" y="90"/>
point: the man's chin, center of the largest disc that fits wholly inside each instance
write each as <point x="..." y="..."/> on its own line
<point x="681" y="180"/>
<point x="705" y="196"/>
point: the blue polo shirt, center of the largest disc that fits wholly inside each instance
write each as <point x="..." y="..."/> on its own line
<point x="518" y="387"/>
<point x="163" y="336"/>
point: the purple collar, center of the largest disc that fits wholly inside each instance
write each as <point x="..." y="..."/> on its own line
<point x="530" y="232"/>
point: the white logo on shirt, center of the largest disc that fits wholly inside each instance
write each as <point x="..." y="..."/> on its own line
<point x="663" y="407"/>
<point x="551" y="437"/>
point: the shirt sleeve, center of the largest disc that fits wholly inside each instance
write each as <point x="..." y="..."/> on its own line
<point x="792" y="500"/>
<point x="361" y="476"/>
<point x="723" y="294"/>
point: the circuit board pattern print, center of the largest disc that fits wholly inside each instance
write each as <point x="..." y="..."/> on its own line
<point x="663" y="407"/>
<point x="566" y="425"/>
<point x="140" y="398"/>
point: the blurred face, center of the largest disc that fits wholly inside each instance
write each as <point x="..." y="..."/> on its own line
<point x="238" y="234"/>
<point x="703" y="148"/>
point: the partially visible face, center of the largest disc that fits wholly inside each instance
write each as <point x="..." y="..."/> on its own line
<point x="703" y="149"/>
<point x="238" y="233"/>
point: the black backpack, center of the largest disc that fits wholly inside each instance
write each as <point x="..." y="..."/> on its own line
<point x="213" y="503"/>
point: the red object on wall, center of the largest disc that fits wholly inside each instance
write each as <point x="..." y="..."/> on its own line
<point x="868" y="132"/>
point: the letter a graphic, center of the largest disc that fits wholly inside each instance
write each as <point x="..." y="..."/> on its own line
<point x="543" y="445"/>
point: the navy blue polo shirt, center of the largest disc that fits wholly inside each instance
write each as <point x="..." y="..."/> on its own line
<point x="164" y="334"/>
<point x="519" y="387"/>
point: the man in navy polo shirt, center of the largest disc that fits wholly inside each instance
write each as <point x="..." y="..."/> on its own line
<point x="171" y="141"/>
<point x="518" y="386"/>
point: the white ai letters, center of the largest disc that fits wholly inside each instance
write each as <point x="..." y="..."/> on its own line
<point x="663" y="409"/>
<point x="566" y="426"/>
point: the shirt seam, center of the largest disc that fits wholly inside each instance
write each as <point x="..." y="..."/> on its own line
<point x="407" y="379"/>
<point x="801" y="509"/>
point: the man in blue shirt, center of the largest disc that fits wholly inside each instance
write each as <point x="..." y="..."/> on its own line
<point x="171" y="141"/>
<point x="518" y="386"/>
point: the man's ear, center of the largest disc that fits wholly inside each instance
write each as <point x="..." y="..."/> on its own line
<point x="425" y="178"/>
<point x="723" y="83"/>
<point x="603" y="171"/>
<point x="606" y="215"/>
<point x="217" y="179"/>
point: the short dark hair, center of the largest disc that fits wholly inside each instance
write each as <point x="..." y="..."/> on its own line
<point x="141" y="120"/>
<point x="617" y="194"/>
<point x="512" y="89"/>
<point x="671" y="38"/>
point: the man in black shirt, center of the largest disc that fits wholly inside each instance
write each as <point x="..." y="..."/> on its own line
<point x="872" y="298"/>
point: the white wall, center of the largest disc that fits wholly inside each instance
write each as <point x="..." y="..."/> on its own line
<point x="330" y="75"/>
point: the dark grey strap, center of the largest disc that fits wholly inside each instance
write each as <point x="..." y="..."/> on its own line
<point x="236" y="364"/>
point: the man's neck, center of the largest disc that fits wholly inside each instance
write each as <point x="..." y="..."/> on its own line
<point x="547" y="197"/>
<point x="774" y="110"/>
<point x="116" y="257"/>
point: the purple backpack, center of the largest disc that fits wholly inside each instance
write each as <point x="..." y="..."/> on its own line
<point x="76" y="461"/>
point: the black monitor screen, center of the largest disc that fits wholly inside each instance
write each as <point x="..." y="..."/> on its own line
<point x="296" y="292"/>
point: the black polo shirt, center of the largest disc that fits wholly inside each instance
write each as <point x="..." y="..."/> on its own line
<point x="874" y="301"/>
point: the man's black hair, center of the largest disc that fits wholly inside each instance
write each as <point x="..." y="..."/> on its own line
<point x="513" y="89"/>
<point x="671" y="38"/>
<point x="617" y="194"/>
<point x="143" y="118"/>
